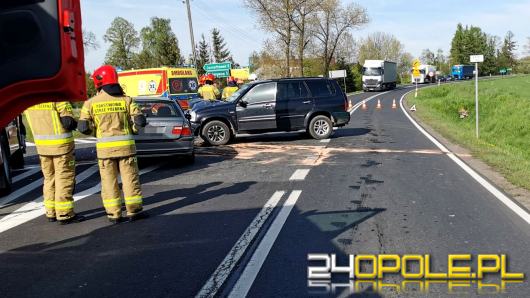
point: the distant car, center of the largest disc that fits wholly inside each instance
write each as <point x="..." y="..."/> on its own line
<point x="168" y="131"/>
<point x="315" y="105"/>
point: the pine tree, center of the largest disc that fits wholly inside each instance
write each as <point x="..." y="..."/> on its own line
<point x="204" y="55"/>
<point x="219" y="50"/>
<point x="457" y="45"/>
<point x="507" y="55"/>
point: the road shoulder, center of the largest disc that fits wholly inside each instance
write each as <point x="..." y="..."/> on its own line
<point x="519" y="194"/>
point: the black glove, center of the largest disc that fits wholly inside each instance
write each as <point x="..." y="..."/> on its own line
<point x="84" y="127"/>
<point x="68" y="123"/>
<point x="140" y="121"/>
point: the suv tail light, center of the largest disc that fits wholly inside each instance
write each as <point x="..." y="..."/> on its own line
<point x="347" y="104"/>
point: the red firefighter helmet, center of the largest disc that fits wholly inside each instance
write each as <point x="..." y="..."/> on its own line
<point x="231" y="79"/>
<point x="202" y="80"/>
<point x="210" y="77"/>
<point x="105" y="75"/>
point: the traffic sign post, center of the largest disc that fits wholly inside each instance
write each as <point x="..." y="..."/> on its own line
<point x="476" y="59"/>
<point x="416" y="74"/>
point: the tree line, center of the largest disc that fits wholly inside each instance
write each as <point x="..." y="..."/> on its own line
<point x="156" y="45"/>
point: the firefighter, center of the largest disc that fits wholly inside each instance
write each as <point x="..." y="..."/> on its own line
<point x="230" y="89"/>
<point x="208" y="91"/>
<point x="202" y="80"/>
<point x="52" y="125"/>
<point x="115" y="117"/>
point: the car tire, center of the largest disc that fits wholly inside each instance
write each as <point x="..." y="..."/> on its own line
<point x="5" y="174"/>
<point x="17" y="160"/>
<point x="216" y="133"/>
<point x="320" y="127"/>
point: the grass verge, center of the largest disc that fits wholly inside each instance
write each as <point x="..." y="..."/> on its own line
<point x="504" y="114"/>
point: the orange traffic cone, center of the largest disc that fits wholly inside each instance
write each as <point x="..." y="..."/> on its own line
<point x="364" y="106"/>
<point x="394" y="105"/>
<point x="379" y="106"/>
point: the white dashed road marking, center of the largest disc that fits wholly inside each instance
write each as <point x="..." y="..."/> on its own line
<point x="299" y="175"/>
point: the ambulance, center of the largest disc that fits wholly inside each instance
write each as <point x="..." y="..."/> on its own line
<point x="179" y="84"/>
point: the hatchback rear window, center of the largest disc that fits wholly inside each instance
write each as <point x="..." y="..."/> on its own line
<point x="321" y="88"/>
<point x="158" y="109"/>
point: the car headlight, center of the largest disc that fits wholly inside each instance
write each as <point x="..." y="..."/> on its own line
<point x="193" y="115"/>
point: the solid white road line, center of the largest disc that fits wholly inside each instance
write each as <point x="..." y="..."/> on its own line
<point x="299" y="175"/>
<point x="26" y="174"/>
<point x="487" y="185"/>
<point x="232" y="258"/>
<point x="35" y="208"/>
<point x="357" y="105"/>
<point x="253" y="267"/>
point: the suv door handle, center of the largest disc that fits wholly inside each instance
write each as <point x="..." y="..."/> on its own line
<point x="306" y="102"/>
<point x="267" y="105"/>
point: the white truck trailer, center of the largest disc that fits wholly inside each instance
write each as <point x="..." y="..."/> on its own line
<point x="379" y="75"/>
<point x="428" y="74"/>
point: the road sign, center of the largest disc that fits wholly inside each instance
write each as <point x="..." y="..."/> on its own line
<point x="416" y="73"/>
<point x="416" y="64"/>
<point x="220" y="73"/>
<point x="335" y="74"/>
<point x="503" y="70"/>
<point x="476" y="58"/>
<point x="226" y="66"/>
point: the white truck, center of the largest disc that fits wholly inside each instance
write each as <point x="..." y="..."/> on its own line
<point x="379" y="75"/>
<point x="428" y="74"/>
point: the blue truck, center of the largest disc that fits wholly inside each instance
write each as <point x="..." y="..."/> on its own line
<point x="462" y="72"/>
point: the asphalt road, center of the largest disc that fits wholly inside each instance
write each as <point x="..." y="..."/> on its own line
<point x="243" y="218"/>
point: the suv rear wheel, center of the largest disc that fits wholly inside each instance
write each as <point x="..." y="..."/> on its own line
<point x="320" y="127"/>
<point x="216" y="133"/>
<point x="5" y="172"/>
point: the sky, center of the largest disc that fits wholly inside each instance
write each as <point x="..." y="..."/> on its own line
<point x="417" y="24"/>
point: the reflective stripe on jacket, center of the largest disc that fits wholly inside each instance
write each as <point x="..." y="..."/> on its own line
<point x="112" y="118"/>
<point x="50" y="137"/>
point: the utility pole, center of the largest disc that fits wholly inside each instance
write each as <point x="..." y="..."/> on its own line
<point x="190" y="22"/>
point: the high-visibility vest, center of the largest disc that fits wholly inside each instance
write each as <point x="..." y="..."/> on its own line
<point x="228" y="91"/>
<point x="49" y="135"/>
<point x="112" y="119"/>
<point x="209" y="92"/>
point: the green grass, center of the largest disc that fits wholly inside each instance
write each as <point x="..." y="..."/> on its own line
<point x="504" y="121"/>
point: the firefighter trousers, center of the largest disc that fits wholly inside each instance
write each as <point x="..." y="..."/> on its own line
<point x="109" y="170"/>
<point x="59" y="184"/>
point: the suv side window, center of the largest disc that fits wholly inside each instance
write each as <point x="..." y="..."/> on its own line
<point x="292" y="89"/>
<point x="321" y="88"/>
<point x="261" y="93"/>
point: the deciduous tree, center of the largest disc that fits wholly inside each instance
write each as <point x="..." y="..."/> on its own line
<point x="124" y="40"/>
<point x="332" y="22"/>
<point x="159" y="44"/>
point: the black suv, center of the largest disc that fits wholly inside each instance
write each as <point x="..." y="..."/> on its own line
<point x="312" y="104"/>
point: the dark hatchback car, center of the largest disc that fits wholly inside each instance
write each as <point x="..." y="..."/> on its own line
<point x="315" y="105"/>
<point x="168" y="131"/>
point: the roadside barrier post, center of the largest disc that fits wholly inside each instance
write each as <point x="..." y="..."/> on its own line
<point x="476" y="59"/>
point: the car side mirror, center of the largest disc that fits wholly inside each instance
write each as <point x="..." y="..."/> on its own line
<point x="188" y="116"/>
<point x="243" y="103"/>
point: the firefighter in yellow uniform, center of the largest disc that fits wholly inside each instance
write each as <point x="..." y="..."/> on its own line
<point x="230" y="89"/>
<point x="52" y="124"/>
<point x="209" y="91"/>
<point x="115" y="117"/>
